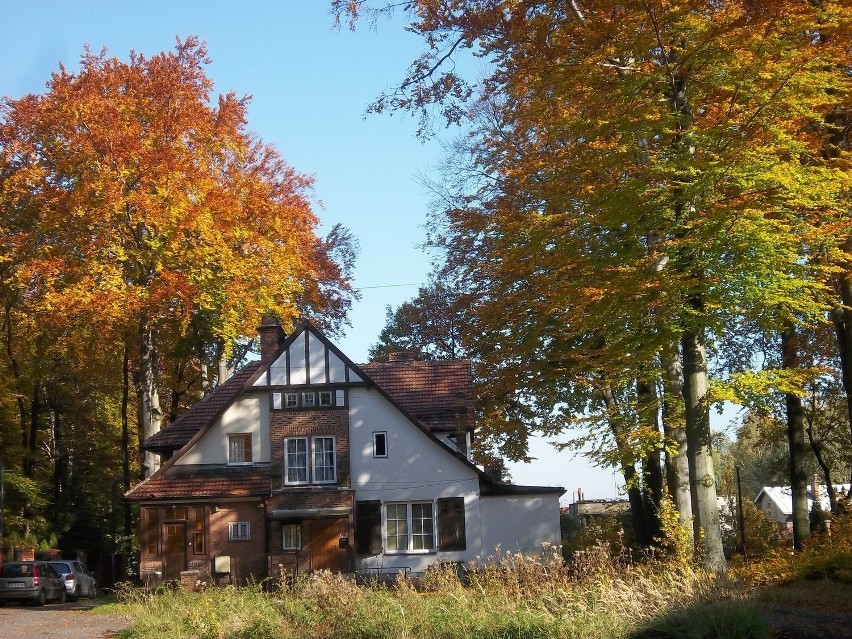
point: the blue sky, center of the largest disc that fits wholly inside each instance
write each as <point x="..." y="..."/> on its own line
<point x="310" y="84"/>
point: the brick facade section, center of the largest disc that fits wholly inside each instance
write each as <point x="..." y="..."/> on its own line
<point x="248" y="557"/>
<point x="309" y="423"/>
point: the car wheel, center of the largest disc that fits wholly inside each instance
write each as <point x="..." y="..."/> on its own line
<point x="41" y="597"/>
<point x="94" y="592"/>
<point x="63" y="595"/>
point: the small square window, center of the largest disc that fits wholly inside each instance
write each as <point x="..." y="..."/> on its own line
<point x="239" y="448"/>
<point x="291" y="537"/>
<point x="380" y="444"/>
<point x="292" y="400"/>
<point x="239" y="530"/>
<point x="325" y="398"/>
<point x="309" y="400"/>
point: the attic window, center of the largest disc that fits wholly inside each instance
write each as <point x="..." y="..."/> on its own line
<point x="239" y="448"/>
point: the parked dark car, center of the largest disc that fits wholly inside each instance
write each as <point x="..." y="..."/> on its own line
<point x="31" y="581"/>
<point x="79" y="582"/>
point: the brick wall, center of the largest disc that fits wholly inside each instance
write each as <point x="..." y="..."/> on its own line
<point x="310" y="423"/>
<point x="248" y="557"/>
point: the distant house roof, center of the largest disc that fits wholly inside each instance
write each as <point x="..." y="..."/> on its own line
<point x="435" y="392"/>
<point x="196" y="482"/>
<point x="782" y="496"/>
<point x="184" y="428"/>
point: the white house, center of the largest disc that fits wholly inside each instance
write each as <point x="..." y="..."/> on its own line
<point x="305" y="460"/>
<point x="776" y="502"/>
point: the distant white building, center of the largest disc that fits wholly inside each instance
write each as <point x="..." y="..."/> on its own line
<point x="777" y="501"/>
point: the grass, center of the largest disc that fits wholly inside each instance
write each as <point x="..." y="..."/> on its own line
<point x="510" y="597"/>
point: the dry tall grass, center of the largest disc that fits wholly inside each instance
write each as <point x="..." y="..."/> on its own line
<point x="509" y="596"/>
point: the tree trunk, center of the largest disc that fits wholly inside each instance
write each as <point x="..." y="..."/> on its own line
<point x="32" y="439"/>
<point x="148" y="397"/>
<point x="816" y="447"/>
<point x="628" y="470"/>
<point x="652" y="470"/>
<point x="702" y="482"/>
<point x="796" y="442"/>
<point x="125" y="437"/>
<point x="842" y="317"/>
<point x="677" y="465"/>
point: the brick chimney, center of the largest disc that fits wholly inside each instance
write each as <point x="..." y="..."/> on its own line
<point x="271" y="337"/>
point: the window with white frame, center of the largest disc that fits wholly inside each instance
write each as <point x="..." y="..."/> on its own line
<point x="296" y="460"/>
<point x="324" y="466"/>
<point x="309" y="400"/>
<point x="291" y="536"/>
<point x="239" y="530"/>
<point x="316" y="465"/>
<point x="325" y="398"/>
<point x="292" y="400"/>
<point x="239" y="448"/>
<point x="409" y="527"/>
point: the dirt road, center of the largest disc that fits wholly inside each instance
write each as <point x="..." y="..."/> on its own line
<point x="57" y="621"/>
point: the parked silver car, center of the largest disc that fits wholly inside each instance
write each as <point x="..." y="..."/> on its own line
<point x="79" y="582"/>
<point x="31" y="581"/>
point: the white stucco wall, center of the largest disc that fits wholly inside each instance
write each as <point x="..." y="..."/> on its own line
<point x="519" y="523"/>
<point x="247" y="415"/>
<point x="416" y="469"/>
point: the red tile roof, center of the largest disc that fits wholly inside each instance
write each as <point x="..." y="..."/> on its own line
<point x="433" y="392"/>
<point x="197" y="482"/>
<point x="177" y="434"/>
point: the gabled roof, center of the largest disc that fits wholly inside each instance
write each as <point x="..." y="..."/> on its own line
<point x="184" y="428"/>
<point x="782" y="497"/>
<point x="417" y="386"/>
<point x="435" y="392"/>
<point x="199" y="482"/>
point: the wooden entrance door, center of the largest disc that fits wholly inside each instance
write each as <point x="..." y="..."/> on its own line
<point x="174" y="549"/>
<point x="325" y="545"/>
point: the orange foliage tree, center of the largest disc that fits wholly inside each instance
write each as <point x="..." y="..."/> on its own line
<point x="640" y="179"/>
<point x="138" y="206"/>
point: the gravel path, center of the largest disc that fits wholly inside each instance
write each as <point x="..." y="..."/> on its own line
<point x="798" y="622"/>
<point x="57" y="621"/>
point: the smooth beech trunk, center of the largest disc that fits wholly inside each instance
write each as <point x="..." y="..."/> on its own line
<point x="796" y="442"/>
<point x="677" y="464"/>
<point x="148" y="397"/>
<point x="702" y="479"/>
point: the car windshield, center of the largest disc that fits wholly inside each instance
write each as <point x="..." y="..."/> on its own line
<point x="61" y="567"/>
<point x="17" y="570"/>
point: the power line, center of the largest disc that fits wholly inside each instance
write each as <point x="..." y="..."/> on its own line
<point x="362" y="288"/>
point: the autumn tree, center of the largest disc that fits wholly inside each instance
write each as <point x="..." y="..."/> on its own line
<point x="430" y="324"/>
<point x="641" y="177"/>
<point x="141" y="206"/>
